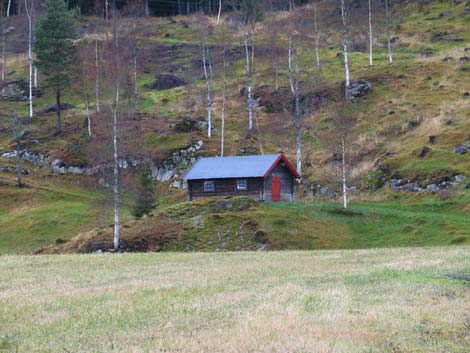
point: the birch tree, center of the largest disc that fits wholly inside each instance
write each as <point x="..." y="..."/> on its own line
<point x="246" y="14"/>
<point x="115" y="76"/>
<point x="203" y="28"/>
<point x="86" y="76"/>
<point x="3" y="24"/>
<point x="249" y="43"/>
<point x="18" y="133"/>
<point x="346" y="8"/>
<point x="343" y="123"/>
<point x="136" y="11"/>
<point x="135" y="72"/>
<point x="97" y="75"/>
<point x="294" y="39"/>
<point x="371" y="63"/>
<point x="29" y="6"/>
<point x="317" y="36"/>
<point x="276" y="53"/>
<point x="388" y="29"/>
<point x="8" y="8"/>
<point x="219" y="12"/>
<point x="224" y="90"/>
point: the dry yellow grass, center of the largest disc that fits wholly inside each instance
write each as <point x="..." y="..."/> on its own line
<point x="390" y="300"/>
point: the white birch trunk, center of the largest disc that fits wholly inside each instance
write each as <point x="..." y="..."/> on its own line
<point x="294" y="80"/>
<point x="298" y="115"/>
<point x="88" y="117"/>
<point x="343" y="165"/>
<point x="224" y="89"/>
<point x="136" y="84"/>
<point x="208" y="77"/>
<point x="389" y="39"/>
<point x="116" y="238"/>
<point x="17" y="134"/>
<point x="317" y="36"/>
<point x="29" y="14"/>
<point x="260" y="144"/>
<point x="116" y="171"/>
<point x="276" y="76"/>
<point x="35" y="76"/>
<point x="345" y="20"/>
<point x="249" y="73"/>
<point x="8" y="8"/>
<point x="3" y="48"/>
<point x="220" y="10"/>
<point x="97" y="80"/>
<point x="371" y="63"/>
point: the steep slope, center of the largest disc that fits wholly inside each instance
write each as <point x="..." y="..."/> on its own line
<point x="409" y="124"/>
<point x="424" y="93"/>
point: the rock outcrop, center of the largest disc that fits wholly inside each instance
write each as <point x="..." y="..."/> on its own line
<point x="415" y="186"/>
<point x="16" y="91"/>
<point x="170" y="169"/>
<point x="462" y="149"/>
<point x="166" y="81"/>
<point x="358" y="89"/>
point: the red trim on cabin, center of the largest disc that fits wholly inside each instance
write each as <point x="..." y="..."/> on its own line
<point x="289" y="166"/>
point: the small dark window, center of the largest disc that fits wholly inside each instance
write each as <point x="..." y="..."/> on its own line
<point x="209" y="186"/>
<point x="242" y="184"/>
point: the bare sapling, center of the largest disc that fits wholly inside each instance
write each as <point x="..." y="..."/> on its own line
<point x="371" y="62"/>
<point x="389" y="35"/>
<point x="317" y="36"/>
<point x="29" y="6"/>
<point x="18" y="133"/>
<point x="204" y="30"/>
<point x="224" y="90"/>
<point x="3" y="24"/>
<point x="344" y="121"/>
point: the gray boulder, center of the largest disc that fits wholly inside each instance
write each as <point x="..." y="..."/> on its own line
<point x="14" y="92"/>
<point x="459" y="178"/>
<point x="17" y="91"/>
<point x="461" y="149"/>
<point x="432" y="188"/>
<point x="358" y="89"/>
<point x="326" y="191"/>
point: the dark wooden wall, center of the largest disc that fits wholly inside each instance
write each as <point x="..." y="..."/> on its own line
<point x="287" y="184"/>
<point x="226" y="187"/>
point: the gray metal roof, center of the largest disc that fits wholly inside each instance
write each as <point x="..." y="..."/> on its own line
<point x="231" y="167"/>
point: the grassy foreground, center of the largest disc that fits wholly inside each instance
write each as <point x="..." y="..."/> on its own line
<point x="388" y="300"/>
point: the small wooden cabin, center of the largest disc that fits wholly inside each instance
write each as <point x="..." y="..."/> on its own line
<point x="263" y="177"/>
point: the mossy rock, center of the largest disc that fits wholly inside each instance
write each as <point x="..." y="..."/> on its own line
<point x="232" y="204"/>
<point x="424" y="177"/>
<point x="374" y="180"/>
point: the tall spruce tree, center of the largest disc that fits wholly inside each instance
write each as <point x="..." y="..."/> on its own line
<point x="54" y="48"/>
<point x="145" y="202"/>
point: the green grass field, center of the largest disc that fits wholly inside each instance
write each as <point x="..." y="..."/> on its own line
<point x="389" y="300"/>
<point x="55" y="208"/>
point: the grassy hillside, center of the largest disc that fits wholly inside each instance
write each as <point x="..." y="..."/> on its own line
<point x="423" y="94"/>
<point x="241" y="224"/>
<point x="394" y="300"/>
<point x="37" y="215"/>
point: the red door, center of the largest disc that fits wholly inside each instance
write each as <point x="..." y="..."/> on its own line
<point x="276" y="188"/>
